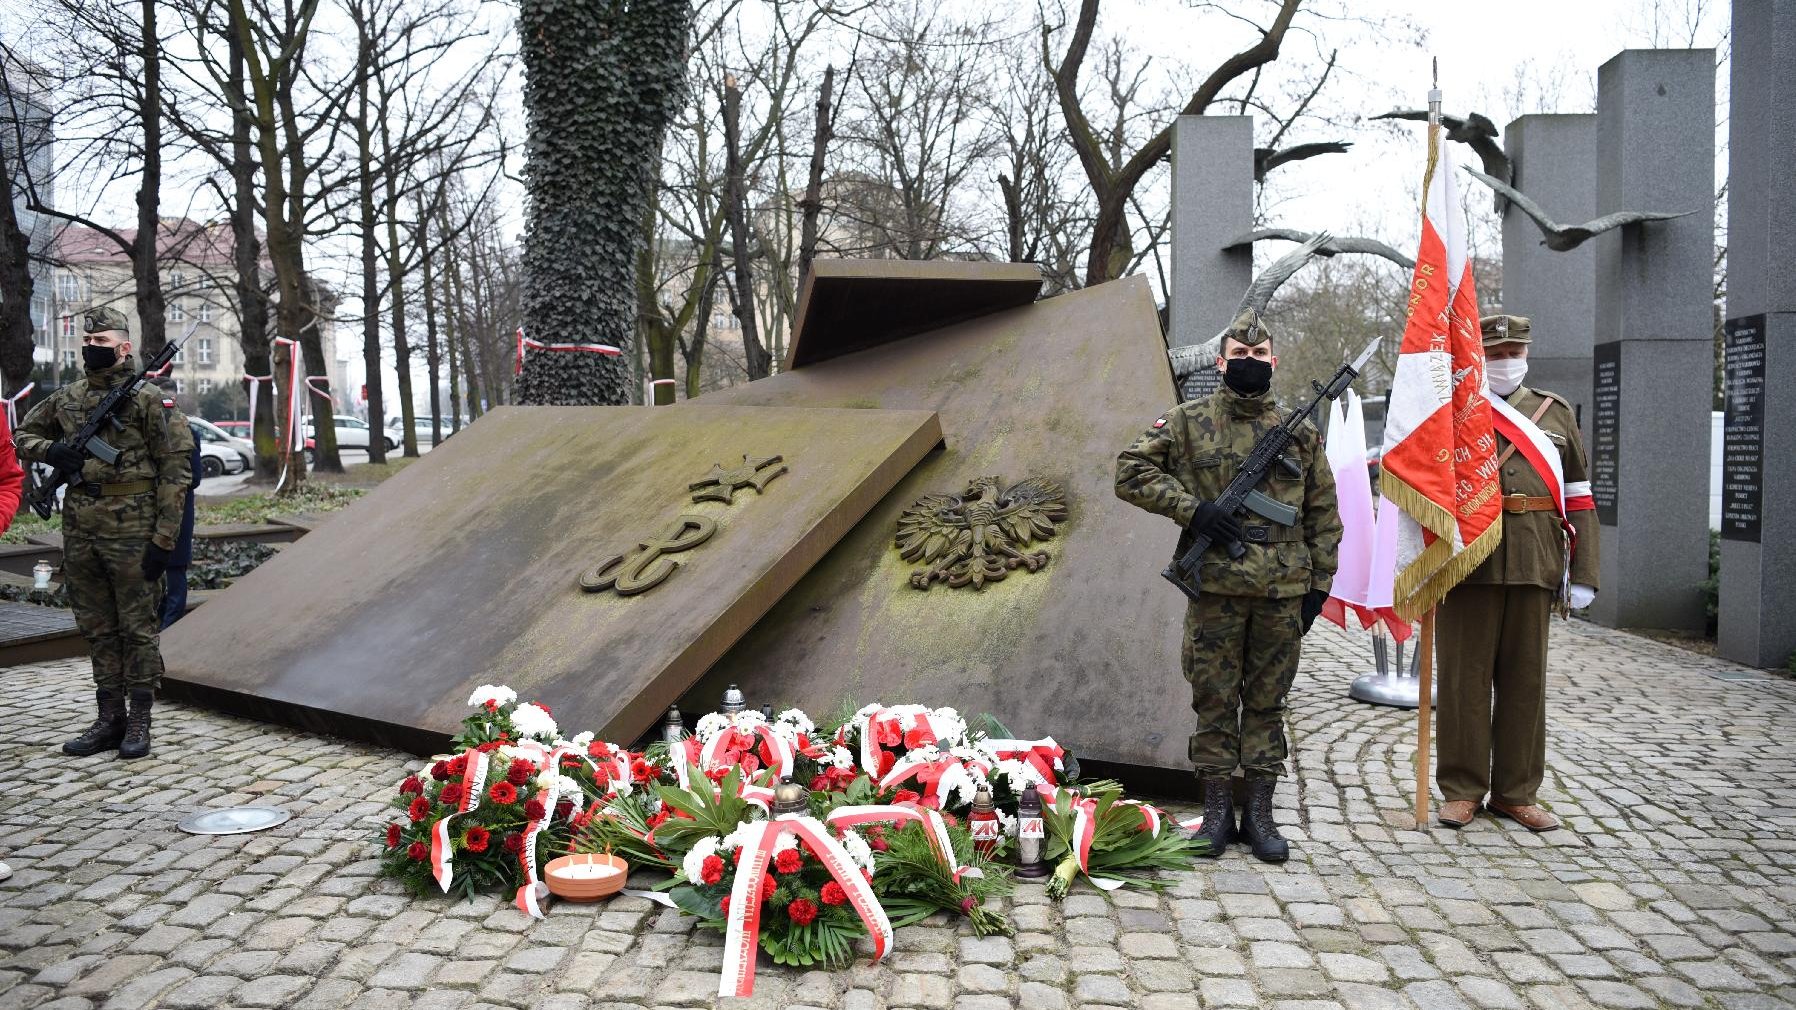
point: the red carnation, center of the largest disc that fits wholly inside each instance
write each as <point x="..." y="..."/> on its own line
<point x="533" y="810"/>
<point x="513" y="843"/>
<point x="879" y="844"/>
<point x="803" y="911"/>
<point x="492" y="704"/>
<point x="906" y="796"/>
<point x="788" y="861"/>
<point x="451" y="795"/>
<point x="723" y="907"/>
<point x="833" y="894"/>
<point x="659" y="817"/>
<point x="886" y="761"/>
<point x="717" y="774"/>
<point x="503" y="792"/>
<point x="564" y="808"/>
<point x="410" y="785"/>
<point x="440" y="770"/>
<point x="477" y="839"/>
<point x="712" y="870"/>
<point x="750" y="764"/>
<point x="766" y="752"/>
<point x="458" y="765"/>
<point x="392" y="836"/>
<point x="519" y="772"/>
<point x="768" y="886"/>
<point x="598" y="749"/>
<point x="419" y="809"/>
<point x="888" y="734"/>
<point x="490" y="746"/>
<point x="418" y="852"/>
<point x="819" y="783"/>
<point x="917" y="738"/>
<point x="601" y="773"/>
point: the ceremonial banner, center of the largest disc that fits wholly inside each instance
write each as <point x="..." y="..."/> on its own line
<point x="1440" y="453"/>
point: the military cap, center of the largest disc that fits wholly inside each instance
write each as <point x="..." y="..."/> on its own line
<point x="105" y="318"/>
<point x="1247" y="329"/>
<point x="1501" y="329"/>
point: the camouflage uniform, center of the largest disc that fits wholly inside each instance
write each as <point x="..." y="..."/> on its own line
<point x="1241" y="639"/>
<point x="110" y="516"/>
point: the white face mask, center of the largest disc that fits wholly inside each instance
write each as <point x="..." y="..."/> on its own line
<point x="1505" y="374"/>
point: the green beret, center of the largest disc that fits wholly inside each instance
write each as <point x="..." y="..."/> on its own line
<point x="106" y="318"/>
<point x="1247" y="329"/>
<point x="1501" y="329"/>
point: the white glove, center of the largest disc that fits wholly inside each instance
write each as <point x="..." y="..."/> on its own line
<point x="1581" y="596"/>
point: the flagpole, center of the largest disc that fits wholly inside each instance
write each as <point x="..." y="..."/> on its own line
<point x="1424" y="695"/>
<point x="1425" y="679"/>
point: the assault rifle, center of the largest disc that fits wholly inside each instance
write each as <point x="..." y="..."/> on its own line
<point x="87" y="438"/>
<point x="1243" y="491"/>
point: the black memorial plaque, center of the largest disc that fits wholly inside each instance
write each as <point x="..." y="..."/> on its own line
<point x="1605" y="429"/>
<point x="1743" y="438"/>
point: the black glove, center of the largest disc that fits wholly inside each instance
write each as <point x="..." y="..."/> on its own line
<point x="1214" y="523"/>
<point x="1312" y="607"/>
<point x="63" y="456"/>
<point x="155" y="562"/>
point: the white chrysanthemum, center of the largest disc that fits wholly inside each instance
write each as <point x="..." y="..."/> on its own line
<point x="1006" y="824"/>
<point x="746" y="833"/>
<point x="695" y="860"/>
<point x="842" y="758"/>
<point x="748" y="720"/>
<point x="1018" y="774"/>
<point x="950" y="728"/>
<point x="858" y="850"/>
<point x="786" y="841"/>
<point x="927" y="752"/>
<point x="582" y="740"/>
<point x="957" y="786"/>
<point x="797" y="720"/>
<point x="866" y="712"/>
<point x="710" y="725"/>
<point x="568" y="788"/>
<point x="531" y="720"/>
<point x="498" y="694"/>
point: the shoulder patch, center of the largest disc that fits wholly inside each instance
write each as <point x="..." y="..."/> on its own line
<point x="1159" y="422"/>
<point x="168" y="402"/>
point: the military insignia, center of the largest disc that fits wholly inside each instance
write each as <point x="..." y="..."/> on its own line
<point x="721" y="485"/>
<point x="1159" y="423"/>
<point x="166" y="402"/>
<point x="976" y="536"/>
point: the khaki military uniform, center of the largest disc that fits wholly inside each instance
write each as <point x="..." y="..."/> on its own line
<point x="109" y="517"/>
<point x="1491" y="630"/>
<point x="1241" y="639"/>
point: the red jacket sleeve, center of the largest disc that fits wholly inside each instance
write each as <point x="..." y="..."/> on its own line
<point x="12" y="477"/>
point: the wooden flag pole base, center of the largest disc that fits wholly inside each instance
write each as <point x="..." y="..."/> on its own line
<point x="1424" y="737"/>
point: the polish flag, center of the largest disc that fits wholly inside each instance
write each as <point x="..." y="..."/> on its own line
<point x="1368" y="534"/>
<point x="1440" y="450"/>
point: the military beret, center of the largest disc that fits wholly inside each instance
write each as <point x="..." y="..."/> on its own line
<point x="105" y="318"/>
<point x="1501" y="329"/>
<point x="1247" y="329"/>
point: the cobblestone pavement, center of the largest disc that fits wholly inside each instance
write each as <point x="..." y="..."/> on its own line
<point x="1675" y="885"/>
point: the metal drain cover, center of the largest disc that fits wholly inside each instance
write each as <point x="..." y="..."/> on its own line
<point x="232" y="820"/>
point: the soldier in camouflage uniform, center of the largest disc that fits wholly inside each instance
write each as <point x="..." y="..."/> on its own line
<point x="1241" y="637"/>
<point x="119" y="523"/>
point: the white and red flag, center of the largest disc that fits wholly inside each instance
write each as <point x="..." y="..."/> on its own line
<point x="1440" y="452"/>
<point x="1362" y="583"/>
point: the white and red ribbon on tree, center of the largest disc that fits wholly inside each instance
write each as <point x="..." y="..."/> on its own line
<point x="538" y="345"/>
<point x="12" y="405"/>
<point x="473" y="783"/>
<point x="742" y="937"/>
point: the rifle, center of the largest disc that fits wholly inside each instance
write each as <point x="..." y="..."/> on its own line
<point x="1243" y="491"/>
<point x="87" y="437"/>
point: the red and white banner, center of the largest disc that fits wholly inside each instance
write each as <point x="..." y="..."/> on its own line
<point x="473" y="783"/>
<point x="1368" y="537"/>
<point x="538" y="345"/>
<point x="743" y="935"/>
<point x="1044" y="755"/>
<point x="1440" y="449"/>
<point x="1540" y="452"/>
<point x="854" y="816"/>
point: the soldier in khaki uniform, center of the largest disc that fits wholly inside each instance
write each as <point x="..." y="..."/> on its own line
<point x="1491" y="630"/>
<point x="118" y="525"/>
<point x="1241" y="639"/>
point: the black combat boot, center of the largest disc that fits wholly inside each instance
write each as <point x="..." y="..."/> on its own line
<point x="1219" y="815"/>
<point x="1259" y="827"/>
<point x="107" y="730"/>
<point x="137" y="724"/>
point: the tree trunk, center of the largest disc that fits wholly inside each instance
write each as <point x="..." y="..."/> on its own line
<point x="601" y="83"/>
<point x="246" y="254"/>
<point x="316" y="372"/>
<point x="813" y="190"/>
<point x="364" y="151"/>
<point x="431" y="360"/>
<point x="402" y="350"/>
<point x="754" y="355"/>
<point x="150" y="307"/>
<point x="15" y="275"/>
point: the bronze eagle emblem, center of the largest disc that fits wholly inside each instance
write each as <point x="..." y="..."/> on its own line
<point x="977" y="536"/>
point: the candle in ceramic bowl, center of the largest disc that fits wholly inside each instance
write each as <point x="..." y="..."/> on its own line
<point x="587" y="871"/>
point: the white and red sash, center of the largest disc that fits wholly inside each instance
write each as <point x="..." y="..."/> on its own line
<point x="442" y="854"/>
<point x="1533" y="445"/>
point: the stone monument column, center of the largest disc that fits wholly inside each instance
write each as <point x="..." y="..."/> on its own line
<point x="1758" y="496"/>
<point x="1654" y="360"/>
<point x="1212" y="202"/>
<point x="1554" y="157"/>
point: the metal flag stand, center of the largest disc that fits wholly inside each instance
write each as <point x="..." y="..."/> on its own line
<point x="1394" y="684"/>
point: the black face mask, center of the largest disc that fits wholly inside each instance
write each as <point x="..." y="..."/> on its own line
<point x="96" y="357"/>
<point x="1248" y="376"/>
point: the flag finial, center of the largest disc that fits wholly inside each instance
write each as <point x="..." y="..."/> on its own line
<point x="1434" y="93"/>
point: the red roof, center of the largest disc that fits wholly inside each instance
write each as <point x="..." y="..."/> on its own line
<point x="179" y="241"/>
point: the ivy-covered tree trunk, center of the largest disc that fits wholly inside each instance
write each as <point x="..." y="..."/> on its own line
<point x="601" y="80"/>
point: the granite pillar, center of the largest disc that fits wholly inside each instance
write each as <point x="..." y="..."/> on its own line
<point x="1654" y="336"/>
<point x="1758" y="499"/>
<point x="1555" y="164"/>
<point x="1212" y="203"/>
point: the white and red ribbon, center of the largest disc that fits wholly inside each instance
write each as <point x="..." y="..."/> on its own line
<point x="898" y="813"/>
<point x="710" y="757"/>
<point x="743" y="935"/>
<point x="12" y="404"/>
<point x="255" y="388"/>
<point x="538" y="345"/>
<point x="1044" y="755"/>
<point x="473" y="783"/>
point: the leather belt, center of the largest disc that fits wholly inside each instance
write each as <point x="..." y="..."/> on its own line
<point x="1524" y="503"/>
<point x="1271" y="534"/>
<point x="116" y="490"/>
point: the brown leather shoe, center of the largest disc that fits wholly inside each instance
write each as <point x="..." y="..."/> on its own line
<point x="1532" y="817"/>
<point x="1458" y="813"/>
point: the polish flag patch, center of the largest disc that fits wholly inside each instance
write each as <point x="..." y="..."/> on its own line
<point x="166" y="402"/>
<point x="1160" y="423"/>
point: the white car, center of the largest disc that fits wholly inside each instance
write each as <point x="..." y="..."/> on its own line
<point x="352" y="433"/>
<point x="220" y="453"/>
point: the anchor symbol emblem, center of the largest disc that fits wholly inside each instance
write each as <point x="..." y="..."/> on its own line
<point x="647" y="567"/>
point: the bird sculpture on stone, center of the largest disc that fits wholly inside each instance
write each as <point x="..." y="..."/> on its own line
<point x="1564" y="237"/>
<point x="1190" y="360"/>
<point x="1265" y="159"/>
<point x="1476" y="132"/>
<point x="1370" y="246"/>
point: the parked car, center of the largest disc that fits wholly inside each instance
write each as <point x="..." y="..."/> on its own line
<point x="352" y="433"/>
<point x="236" y="429"/>
<point x="220" y="453"/>
<point x="420" y="425"/>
